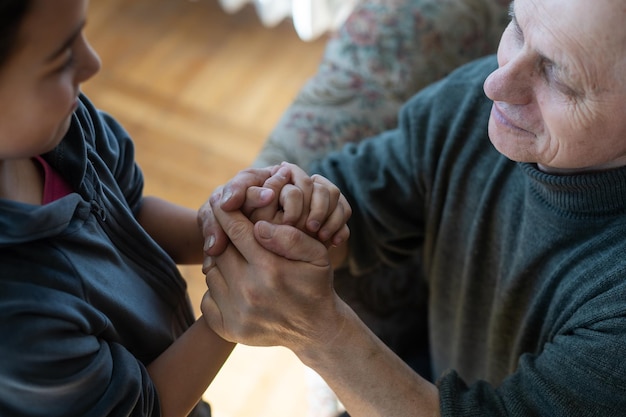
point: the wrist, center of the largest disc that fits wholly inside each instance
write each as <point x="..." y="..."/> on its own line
<point x="322" y="346"/>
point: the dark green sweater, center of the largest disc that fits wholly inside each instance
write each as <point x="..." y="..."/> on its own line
<point x="526" y="271"/>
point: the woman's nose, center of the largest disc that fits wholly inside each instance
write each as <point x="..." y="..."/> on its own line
<point x="90" y="63"/>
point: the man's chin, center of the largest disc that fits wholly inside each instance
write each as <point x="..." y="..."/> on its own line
<point x="514" y="146"/>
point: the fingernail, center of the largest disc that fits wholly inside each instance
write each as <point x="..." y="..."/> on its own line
<point x="265" y="230"/>
<point x="215" y="197"/>
<point x="266" y="194"/>
<point x="208" y="243"/>
<point x="314" y="225"/>
<point x="226" y="196"/>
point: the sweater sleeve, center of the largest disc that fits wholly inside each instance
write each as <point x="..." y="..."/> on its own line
<point x="383" y="230"/>
<point x="580" y="372"/>
<point x="54" y="360"/>
<point x="388" y="179"/>
<point x="123" y="165"/>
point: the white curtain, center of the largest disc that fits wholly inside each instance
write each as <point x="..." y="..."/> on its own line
<point x="311" y="18"/>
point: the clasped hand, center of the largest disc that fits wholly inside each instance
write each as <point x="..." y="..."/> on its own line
<point x="269" y="277"/>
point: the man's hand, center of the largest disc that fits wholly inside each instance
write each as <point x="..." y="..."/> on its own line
<point x="246" y="187"/>
<point x="272" y="286"/>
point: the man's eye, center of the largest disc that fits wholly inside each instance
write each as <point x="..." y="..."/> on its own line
<point x="552" y="77"/>
<point x="550" y="74"/>
<point x="518" y="31"/>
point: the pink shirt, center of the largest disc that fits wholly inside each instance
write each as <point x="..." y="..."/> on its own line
<point x="55" y="186"/>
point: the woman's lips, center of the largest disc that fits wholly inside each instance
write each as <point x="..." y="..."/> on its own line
<point x="75" y="105"/>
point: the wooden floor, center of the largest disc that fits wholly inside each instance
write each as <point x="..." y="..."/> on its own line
<point x="199" y="91"/>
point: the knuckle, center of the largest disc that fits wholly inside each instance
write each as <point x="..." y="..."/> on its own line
<point x="238" y="230"/>
<point x="274" y="181"/>
<point x="307" y="182"/>
<point x="248" y="172"/>
<point x="347" y="209"/>
<point x="320" y="179"/>
<point x="292" y="192"/>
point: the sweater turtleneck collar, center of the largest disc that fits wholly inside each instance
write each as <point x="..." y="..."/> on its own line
<point x="589" y="194"/>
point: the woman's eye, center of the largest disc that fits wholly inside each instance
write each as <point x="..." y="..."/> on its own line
<point x="67" y="63"/>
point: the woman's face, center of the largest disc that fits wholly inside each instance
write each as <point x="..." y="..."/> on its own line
<point x="560" y="90"/>
<point x="40" y="82"/>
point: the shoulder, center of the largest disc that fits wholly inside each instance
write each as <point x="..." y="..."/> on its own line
<point x="108" y="147"/>
<point x="462" y="89"/>
<point x="96" y="136"/>
<point x="95" y="125"/>
<point x="471" y="76"/>
<point x="450" y="116"/>
<point x="91" y="132"/>
<point x="475" y="71"/>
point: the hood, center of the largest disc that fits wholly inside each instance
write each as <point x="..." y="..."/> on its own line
<point x="21" y="223"/>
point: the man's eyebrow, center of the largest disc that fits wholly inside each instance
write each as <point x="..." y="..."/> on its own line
<point x="560" y="69"/>
<point x="68" y="42"/>
<point x="516" y="26"/>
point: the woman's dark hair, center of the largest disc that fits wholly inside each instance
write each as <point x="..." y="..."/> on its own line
<point x="12" y="13"/>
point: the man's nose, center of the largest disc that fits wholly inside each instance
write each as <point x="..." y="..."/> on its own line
<point x="512" y="82"/>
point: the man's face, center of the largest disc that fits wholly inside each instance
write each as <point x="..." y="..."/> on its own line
<point x="560" y="90"/>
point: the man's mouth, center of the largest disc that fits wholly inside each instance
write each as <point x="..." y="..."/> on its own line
<point x="503" y="119"/>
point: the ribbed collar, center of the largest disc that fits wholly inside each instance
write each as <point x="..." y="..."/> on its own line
<point x="585" y="195"/>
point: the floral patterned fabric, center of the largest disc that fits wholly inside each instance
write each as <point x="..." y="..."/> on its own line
<point x="385" y="52"/>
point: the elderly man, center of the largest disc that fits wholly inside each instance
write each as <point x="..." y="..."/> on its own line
<point x="522" y="235"/>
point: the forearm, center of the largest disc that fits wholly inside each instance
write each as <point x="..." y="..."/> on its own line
<point x="368" y="377"/>
<point x="183" y="372"/>
<point x="174" y="228"/>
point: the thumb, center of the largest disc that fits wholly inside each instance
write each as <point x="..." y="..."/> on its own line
<point x="291" y="243"/>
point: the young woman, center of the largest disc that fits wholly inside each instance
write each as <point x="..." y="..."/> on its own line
<point x="94" y="315"/>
